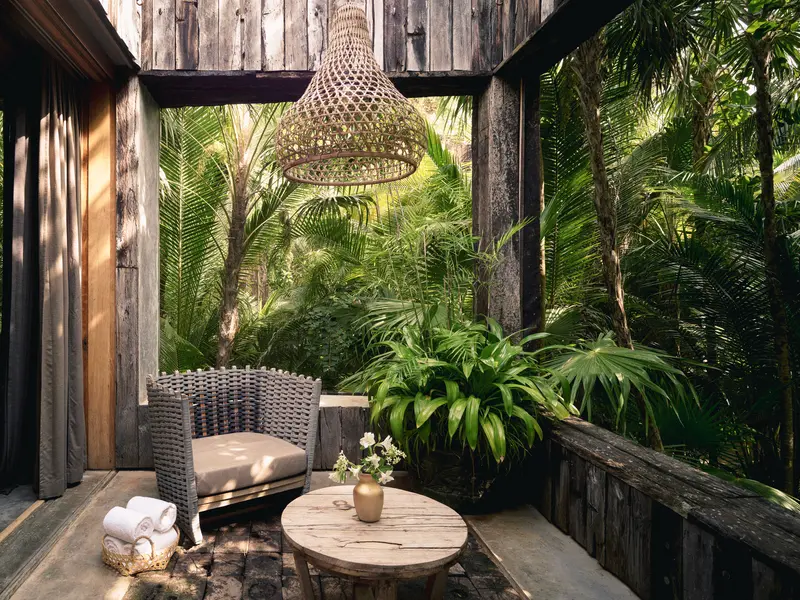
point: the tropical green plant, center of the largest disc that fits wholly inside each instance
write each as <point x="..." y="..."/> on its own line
<point x="600" y="371"/>
<point x="465" y="387"/>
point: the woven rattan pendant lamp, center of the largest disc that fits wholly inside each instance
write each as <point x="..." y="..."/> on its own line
<point x="352" y="126"/>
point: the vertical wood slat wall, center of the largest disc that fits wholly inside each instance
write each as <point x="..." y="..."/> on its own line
<point x="292" y="35"/>
<point x="100" y="299"/>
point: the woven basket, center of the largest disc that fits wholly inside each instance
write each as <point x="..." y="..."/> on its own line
<point x="133" y="563"/>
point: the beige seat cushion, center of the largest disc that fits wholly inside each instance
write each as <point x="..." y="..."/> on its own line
<point x="223" y="463"/>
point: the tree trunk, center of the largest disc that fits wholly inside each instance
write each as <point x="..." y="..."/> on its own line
<point x="589" y="80"/>
<point x="703" y="105"/>
<point x="229" y="309"/>
<point x="761" y="58"/>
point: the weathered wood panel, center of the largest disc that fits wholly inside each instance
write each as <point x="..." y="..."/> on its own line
<point x="596" y="513"/>
<point x="100" y="289"/>
<point x="272" y="35"/>
<point x="187" y="48"/>
<point x="418" y="42"/>
<point x="317" y="32"/>
<point x="577" y="499"/>
<point x="462" y="35"/>
<point x="208" y="35"/>
<point x="667" y="540"/>
<point x="395" y="15"/>
<point x="251" y="11"/>
<point x="698" y="561"/>
<point x="136" y="276"/>
<point x="163" y="34"/>
<point x="330" y="437"/>
<point x="441" y="36"/>
<point x="375" y="16"/>
<point x="561" y="504"/>
<point x="146" y="47"/>
<point x="296" y="35"/>
<point x="230" y="35"/>
<point x="667" y="530"/>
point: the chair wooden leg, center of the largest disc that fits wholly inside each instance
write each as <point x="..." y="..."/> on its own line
<point x="301" y="566"/>
<point x="434" y="590"/>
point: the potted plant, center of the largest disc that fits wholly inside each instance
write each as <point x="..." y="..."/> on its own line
<point x="465" y="403"/>
<point x="374" y="470"/>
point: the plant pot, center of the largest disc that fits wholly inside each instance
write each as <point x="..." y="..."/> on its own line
<point x="368" y="499"/>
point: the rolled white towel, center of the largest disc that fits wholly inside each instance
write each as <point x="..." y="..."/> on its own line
<point x="162" y="513"/>
<point x="127" y="525"/>
<point x="161" y="541"/>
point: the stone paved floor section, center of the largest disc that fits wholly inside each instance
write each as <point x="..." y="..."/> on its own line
<point x="249" y="560"/>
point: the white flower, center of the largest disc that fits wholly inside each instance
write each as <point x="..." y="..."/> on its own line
<point x="337" y="477"/>
<point x="368" y="440"/>
<point x="386" y="478"/>
<point x="387" y="443"/>
<point x="374" y="460"/>
<point x="355" y="471"/>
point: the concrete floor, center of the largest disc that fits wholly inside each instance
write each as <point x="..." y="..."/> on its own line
<point x="15" y="503"/>
<point x="73" y="569"/>
<point x="543" y="562"/>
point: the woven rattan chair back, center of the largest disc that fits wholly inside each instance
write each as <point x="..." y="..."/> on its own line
<point x="197" y="404"/>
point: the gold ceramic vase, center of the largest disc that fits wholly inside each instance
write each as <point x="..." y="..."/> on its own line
<point x="368" y="498"/>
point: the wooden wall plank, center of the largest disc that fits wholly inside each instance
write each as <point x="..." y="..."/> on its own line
<point x="546" y="9"/>
<point x="462" y="35"/>
<point x="483" y="34"/>
<point x="251" y="34"/>
<point x="769" y="584"/>
<point x="441" y="35"/>
<point x="187" y="49"/>
<point x="272" y="28"/>
<point x="596" y="512"/>
<point x="101" y="299"/>
<point x="577" y="499"/>
<point x="146" y="48"/>
<point x="317" y="32"/>
<point x="667" y="542"/>
<point x="561" y="489"/>
<point x="296" y="35"/>
<point x="355" y="421"/>
<point x="375" y="15"/>
<point x="639" y="544"/>
<point x="698" y="561"/>
<point x="330" y="427"/>
<point x="230" y="35"/>
<point x="508" y="19"/>
<point x="617" y="526"/>
<point x="127" y="368"/>
<point x="532" y="251"/>
<point x="208" y="23"/>
<point x="163" y="34"/>
<point x="395" y="13"/>
<point x="418" y="38"/>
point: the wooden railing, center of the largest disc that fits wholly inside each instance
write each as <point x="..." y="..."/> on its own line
<point x="664" y="528"/>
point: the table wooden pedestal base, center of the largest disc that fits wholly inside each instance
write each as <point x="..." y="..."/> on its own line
<point x="377" y="590"/>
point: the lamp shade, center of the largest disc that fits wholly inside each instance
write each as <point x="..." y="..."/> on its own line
<point x="351" y="126"/>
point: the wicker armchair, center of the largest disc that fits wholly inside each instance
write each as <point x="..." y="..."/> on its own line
<point x="187" y="407"/>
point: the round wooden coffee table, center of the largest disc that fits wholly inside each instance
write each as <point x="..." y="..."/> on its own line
<point x="415" y="537"/>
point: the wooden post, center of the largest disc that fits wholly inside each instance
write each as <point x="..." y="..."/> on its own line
<point x="99" y="274"/>
<point x="532" y="271"/>
<point x="137" y="278"/>
<point x="508" y="187"/>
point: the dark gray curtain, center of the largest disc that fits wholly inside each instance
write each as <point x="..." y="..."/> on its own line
<point x="62" y="436"/>
<point x="46" y="284"/>
<point x="19" y="346"/>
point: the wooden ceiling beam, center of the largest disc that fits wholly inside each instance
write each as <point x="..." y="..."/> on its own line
<point x="76" y="32"/>
<point x="213" y="88"/>
<point x="567" y="27"/>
